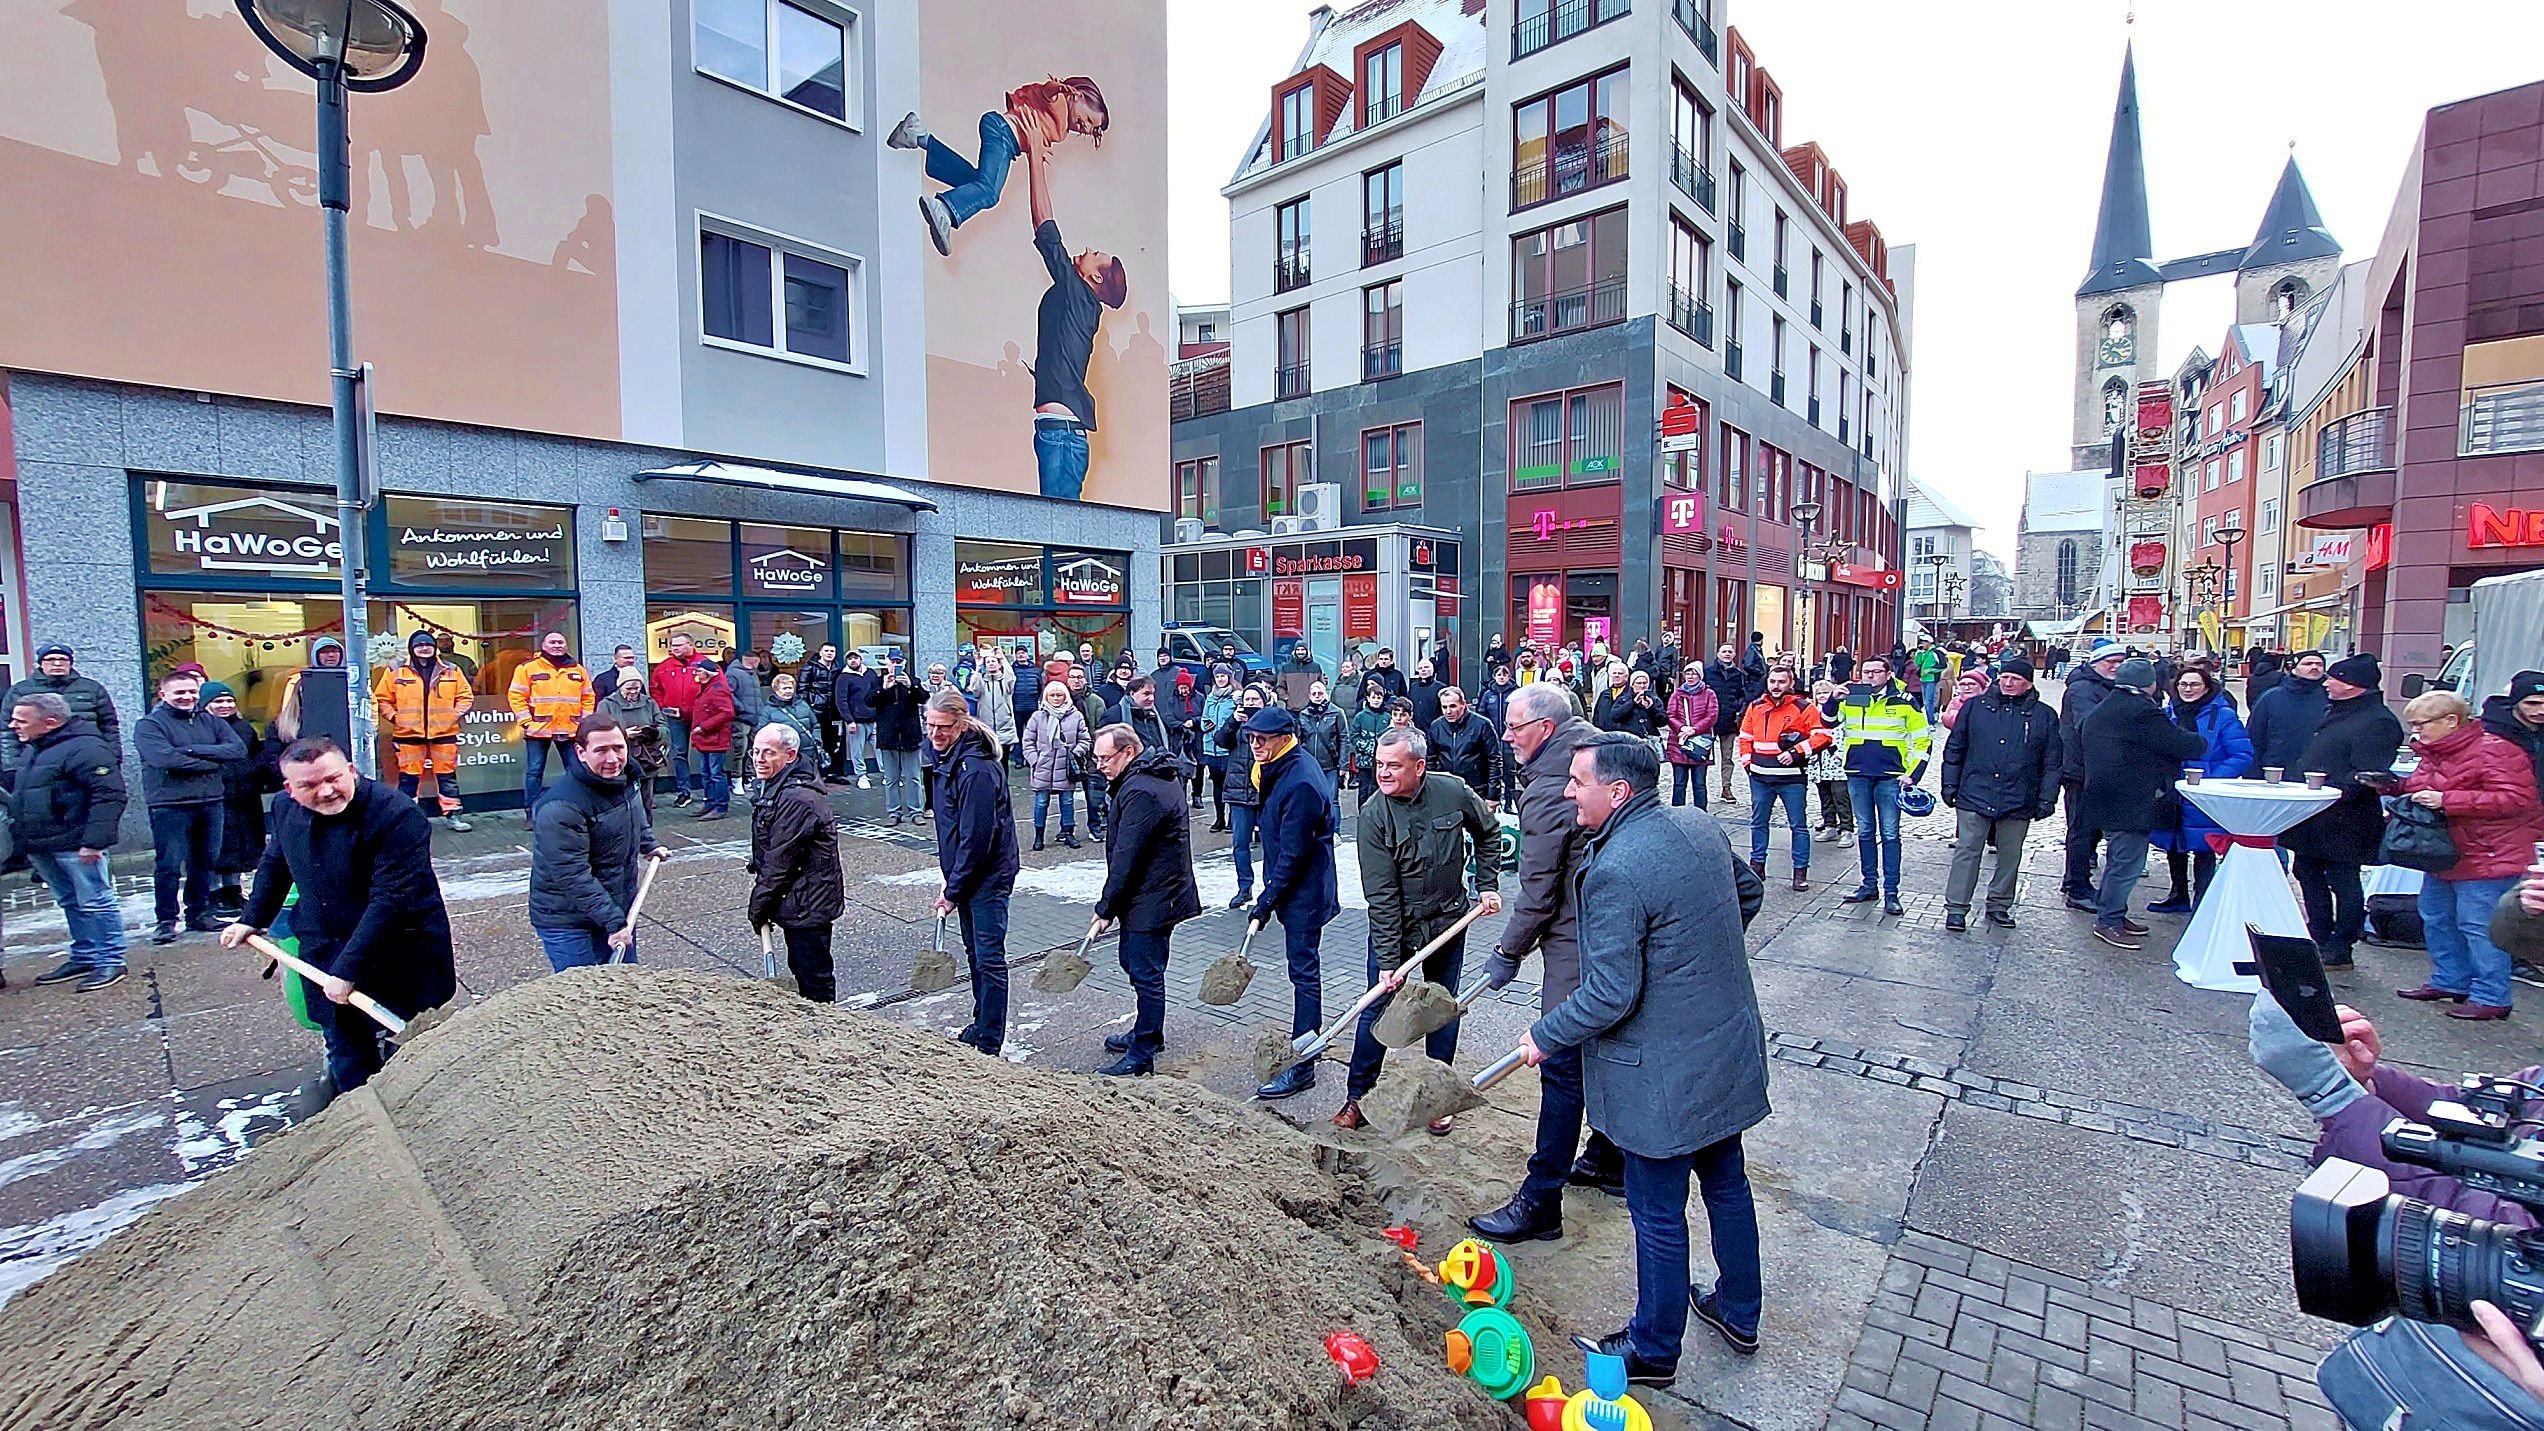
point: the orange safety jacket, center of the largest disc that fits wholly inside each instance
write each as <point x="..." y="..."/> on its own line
<point x="550" y="698"/>
<point x="1763" y="727"/>
<point x="415" y="716"/>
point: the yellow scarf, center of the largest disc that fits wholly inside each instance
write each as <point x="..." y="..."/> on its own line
<point x="1281" y="745"/>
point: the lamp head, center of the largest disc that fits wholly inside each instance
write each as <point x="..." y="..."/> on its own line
<point x="372" y="45"/>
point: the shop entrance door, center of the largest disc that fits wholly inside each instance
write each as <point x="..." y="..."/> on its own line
<point x="762" y="625"/>
<point x="1325" y="625"/>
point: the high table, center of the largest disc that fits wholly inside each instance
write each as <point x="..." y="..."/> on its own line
<point x="2250" y="887"/>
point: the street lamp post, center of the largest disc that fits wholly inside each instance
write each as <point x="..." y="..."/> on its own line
<point x="2230" y="534"/>
<point x="344" y="45"/>
<point x="1806" y="515"/>
<point x="1939" y="560"/>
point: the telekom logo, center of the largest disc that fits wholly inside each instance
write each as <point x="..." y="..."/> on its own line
<point x="1679" y="515"/>
<point x="1545" y="523"/>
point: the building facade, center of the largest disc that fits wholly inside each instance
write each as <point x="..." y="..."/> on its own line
<point x="1706" y="267"/>
<point x="1942" y="556"/>
<point x="634" y="375"/>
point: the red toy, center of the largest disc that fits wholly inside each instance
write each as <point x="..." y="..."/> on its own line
<point x="1404" y="1237"/>
<point x="1352" y="1352"/>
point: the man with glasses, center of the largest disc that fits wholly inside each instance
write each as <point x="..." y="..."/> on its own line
<point x="976" y="855"/>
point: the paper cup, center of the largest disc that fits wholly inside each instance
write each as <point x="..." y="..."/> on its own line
<point x="2191" y="774"/>
<point x="2272" y="773"/>
<point x="2315" y="779"/>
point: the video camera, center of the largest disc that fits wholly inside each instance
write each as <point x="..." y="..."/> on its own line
<point x="2361" y="1253"/>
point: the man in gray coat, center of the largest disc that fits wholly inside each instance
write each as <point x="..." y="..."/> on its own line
<point x="1677" y="1055"/>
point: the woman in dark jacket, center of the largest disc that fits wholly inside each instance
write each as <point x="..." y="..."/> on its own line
<point x="1244" y="800"/>
<point x="2201" y="705"/>
<point x="796" y="883"/>
<point x="245" y="784"/>
<point x="2358" y="737"/>
<point x="1636" y="711"/>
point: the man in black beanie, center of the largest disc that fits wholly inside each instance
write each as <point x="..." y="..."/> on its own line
<point x="2357" y="737"/>
<point x="2518" y="718"/>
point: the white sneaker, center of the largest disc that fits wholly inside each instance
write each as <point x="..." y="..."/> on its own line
<point x="940" y="223"/>
<point x="907" y="134"/>
<point x="457" y="825"/>
<point x="864" y="784"/>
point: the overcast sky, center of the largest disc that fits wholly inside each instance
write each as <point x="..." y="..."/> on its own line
<point x="1975" y="129"/>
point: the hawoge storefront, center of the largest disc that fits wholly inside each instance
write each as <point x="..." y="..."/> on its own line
<point x="241" y="580"/>
<point x="1049" y="598"/>
<point x="754" y="584"/>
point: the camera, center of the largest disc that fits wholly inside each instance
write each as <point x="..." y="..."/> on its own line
<point x="2362" y="1254"/>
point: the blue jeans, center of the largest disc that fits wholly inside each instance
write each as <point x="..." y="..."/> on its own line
<point x="95" y="921"/>
<point x="1764" y="796"/>
<point x="983" y="920"/>
<point x="2455" y="921"/>
<point x="1876" y="802"/>
<point x="183" y="840"/>
<point x="580" y="947"/>
<point x="1241" y="845"/>
<point x="1928" y="689"/>
<point x="1446" y="967"/>
<point x="676" y="730"/>
<point x="1060" y="455"/>
<point x="1683" y="776"/>
<point x="534" y="761"/>
<point x="1068" y="811"/>
<point x="1559" y="1115"/>
<point x="2124" y="857"/>
<point x="1094" y="788"/>
<point x="355" y="1050"/>
<point x="974" y="187"/>
<point x="901" y="772"/>
<point x="714" y="787"/>
<point x="1307" y="977"/>
<point x="1144" y="953"/>
<point x="1656" y="1201"/>
<point x="861" y="749"/>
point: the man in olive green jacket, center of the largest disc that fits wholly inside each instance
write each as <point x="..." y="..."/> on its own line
<point x="1415" y="841"/>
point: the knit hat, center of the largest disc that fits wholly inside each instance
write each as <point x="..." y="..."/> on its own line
<point x="2360" y="670"/>
<point x="631" y="678"/>
<point x="51" y="648"/>
<point x="2104" y="650"/>
<point x="2525" y="685"/>
<point x="422" y="639"/>
<point x="1841" y="668"/>
<point x="214" y="691"/>
<point x="2137" y="673"/>
<point x="189" y="668"/>
<point x="1183" y="680"/>
<point x="2015" y="666"/>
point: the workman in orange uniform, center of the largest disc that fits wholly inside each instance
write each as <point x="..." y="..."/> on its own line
<point x="551" y="692"/>
<point x="420" y="705"/>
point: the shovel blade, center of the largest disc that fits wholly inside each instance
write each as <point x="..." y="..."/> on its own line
<point x="1225" y="981"/>
<point x="1419" y="1009"/>
<point x="1062" y="973"/>
<point x="933" y="972"/>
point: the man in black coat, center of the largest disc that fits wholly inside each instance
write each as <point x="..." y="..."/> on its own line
<point x="1297" y="823"/>
<point x="183" y="749"/>
<point x="1466" y="745"/>
<point x="587" y="839"/>
<point x="2518" y="718"/>
<point x="2133" y="754"/>
<point x="2286" y="716"/>
<point x="817" y="682"/>
<point x="852" y="694"/>
<point x="2088" y="685"/>
<point x="2357" y="736"/>
<point x="1382" y="672"/>
<point x="65" y="799"/>
<point x="1732" y="696"/>
<point x="1148" y="882"/>
<point x="975" y="854"/>
<point x="370" y="911"/>
<point x="2000" y="771"/>
<point x="796" y="884"/>
<point x="86" y="698"/>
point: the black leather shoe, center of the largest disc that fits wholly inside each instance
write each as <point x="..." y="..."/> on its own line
<point x="207" y="924"/>
<point x="1862" y="895"/>
<point x="1956" y="922"/>
<point x="1745" y="1343"/>
<point x="2002" y="920"/>
<point x="2089" y="906"/>
<point x="1121" y="1042"/>
<point x="1590" y="1172"/>
<point x="1893" y="907"/>
<point x="65" y="971"/>
<point x="1638" y="1372"/>
<point x="1291" y="1082"/>
<point x="165" y="932"/>
<point x="1129" y="1065"/>
<point x="1520" y="1220"/>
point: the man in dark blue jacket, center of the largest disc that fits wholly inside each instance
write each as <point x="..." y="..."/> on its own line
<point x="2000" y="771"/>
<point x="370" y="911"/>
<point x="183" y="750"/>
<point x="65" y="800"/>
<point x="2088" y="685"/>
<point x="976" y="854"/>
<point x="2285" y="717"/>
<point x="589" y="840"/>
<point x="852" y="694"/>
<point x="1297" y="826"/>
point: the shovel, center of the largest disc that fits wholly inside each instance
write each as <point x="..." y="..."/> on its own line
<point x="1309" y="1045"/>
<point x="1424" y="1008"/>
<point x="276" y="954"/>
<point x="1063" y="972"/>
<point x="934" y="972"/>
<point x="1225" y="981"/>
<point x="1415" y="1097"/>
<point x="644" y="885"/>
<point x="768" y="955"/>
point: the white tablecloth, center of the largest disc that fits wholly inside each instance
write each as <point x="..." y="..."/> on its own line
<point x="2250" y="887"/>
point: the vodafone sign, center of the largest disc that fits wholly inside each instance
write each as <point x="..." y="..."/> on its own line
<point x="1871" y="578"/>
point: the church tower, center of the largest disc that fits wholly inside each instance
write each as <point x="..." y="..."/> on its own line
<point x="2117" y="304"/>
<point x="2292" y="256"/>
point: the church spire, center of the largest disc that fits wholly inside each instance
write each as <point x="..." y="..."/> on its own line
<point x="2291" y="228"/>
<point x="2124" y="249"/>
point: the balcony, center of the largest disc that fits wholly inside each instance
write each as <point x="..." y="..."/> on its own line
<point x="2507" y="417"/>
<point x="2353" y="482"/>
<point x="1731" y="360"/>
<point x="1382" y="360"/>
<point x="1816" y="313"/>
<point x="1289" y="270"/>
<point x="1560" y="20"/>
<point x="1691" y="316"/>
<point x="1691" y="176"/>
<point x="1812" y="408"/>
<point x="1569" y="170"/>
<point x="1383" y="243"/>
<point x="1783" y="281"/>
<point x="1570" y="311"/>
<point x="1692" y="19"/>
<point x="1290" y="381"/>
<point x="1380" y="109"/>
<point x="1775" y="387"/>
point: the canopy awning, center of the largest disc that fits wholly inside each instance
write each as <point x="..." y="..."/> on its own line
<point x="774" y="479"/>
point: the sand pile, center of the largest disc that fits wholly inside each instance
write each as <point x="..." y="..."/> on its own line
<point x="642" y="1199"/>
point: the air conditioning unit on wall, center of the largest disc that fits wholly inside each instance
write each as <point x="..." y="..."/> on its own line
<point x="1289" y="526"/>
<point x="1188" y="529"/>
<point x="1321" y="506"/>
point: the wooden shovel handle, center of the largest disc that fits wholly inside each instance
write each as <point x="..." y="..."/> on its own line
<point x="1406" y="969"/>
<point x="314" y="974"/>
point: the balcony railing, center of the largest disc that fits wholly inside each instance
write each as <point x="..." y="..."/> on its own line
<point x="1289" y="270"/>
<point x="2507" y="417"/>
<point x="1560" y="20"/>
<point x="1731" y="360"/>
<point x="1691" y="176"/>
<point x="2361" y="442"/>
<point x="1380" y="109"/>
<point x="1382" y="360"/>
<point x="1692" y="19"/>
<point x="1569" y="311"/>
<point x="1783" y="281"/>
<point x="1738" y="238"/>
<point x="1383" y="243"/>
<point x="1691" y="315"/>
<point x="1291" y="381"/>
<point x="1775" y="388"/>
<point x="1570" y="169"/>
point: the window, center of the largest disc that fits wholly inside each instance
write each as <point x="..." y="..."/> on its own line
<point x="1733" y="495"/>
<point x="1290" y="376"/>
<point x="1738" y="237"/>
<point x="1568" y="277"/>
<point x="1691" y="145"/>
<point x="1920" y="548"/>
<point x="1816" y="265"/>
<point x="1382" y="331"/>
<point x="1298" y="121"/>
<point x="1691" y="278"/>
<point x="807" y="66"/>
<point x="755" y="295"/>
<point x="2274" y="452"/>
<point x="1574" y="438"/>
<point x="2217" y="417"/>
<point x="1382" y="85"/>
<point x="1731" y="329"/>
<point x="1285" y="475"/>
<point x="2214" y="469"/>
<point x="1391" y="467"/>
<point x="1568" y="141"/>
<point x="1775" y="357"/>
<point x="2241" y="405"/>
<point x="1382" y="214"/>
<point x="2069" y="572"/>
<point x="2269" y="515"/>
<point x="2235" y="465"/>
<point x="1197" y="490"/>
<point x="2208" y="531"/>
<point x="1290" y="268"/>
<point x="2268" y="578"/>
<point x="1845" y="317"/>
<point x="1783" y="231"/>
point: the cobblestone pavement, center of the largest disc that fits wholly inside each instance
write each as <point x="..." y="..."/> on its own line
<point x="2013" y="1178"/>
